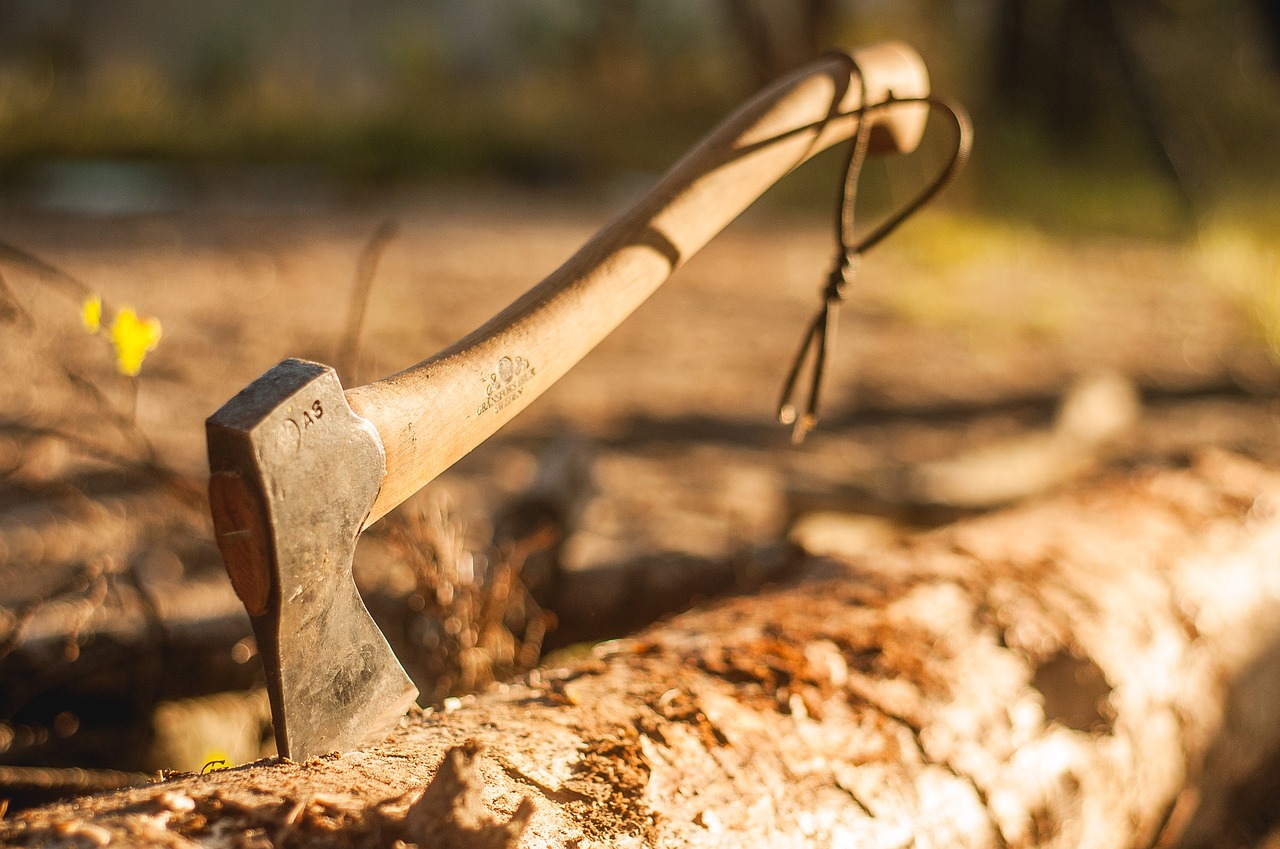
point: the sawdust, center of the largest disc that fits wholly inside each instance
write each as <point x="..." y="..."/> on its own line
<point x="613" y="773"/>
<point x="678" y="705"/>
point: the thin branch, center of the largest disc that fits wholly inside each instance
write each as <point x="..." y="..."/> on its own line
<point x="349" y="352"/>
<point x="11" y="309"/>
<point x="45" y="271"/>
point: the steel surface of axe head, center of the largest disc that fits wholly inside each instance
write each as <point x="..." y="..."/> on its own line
<point x="294" y="473"/>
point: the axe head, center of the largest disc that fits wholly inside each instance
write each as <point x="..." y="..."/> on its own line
<point x="293" y="475"/>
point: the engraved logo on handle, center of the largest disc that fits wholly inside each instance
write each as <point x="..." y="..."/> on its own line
<point x="506" y="383"/>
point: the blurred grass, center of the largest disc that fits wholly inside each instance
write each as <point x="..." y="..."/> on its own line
<point x="1110" y="185"/>
<point x="1239" y="253"/>
<point x="953" y="258"/>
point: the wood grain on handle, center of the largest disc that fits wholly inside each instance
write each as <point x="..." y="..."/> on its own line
<point x="435" y="412"/>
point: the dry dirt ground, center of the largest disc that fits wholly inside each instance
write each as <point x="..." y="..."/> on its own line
<point x="979" y="362"/>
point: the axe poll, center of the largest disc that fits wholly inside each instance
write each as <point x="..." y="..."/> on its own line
<point x="299" y="467"/>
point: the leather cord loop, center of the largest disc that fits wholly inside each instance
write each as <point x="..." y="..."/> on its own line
<point x="820" y="335"/>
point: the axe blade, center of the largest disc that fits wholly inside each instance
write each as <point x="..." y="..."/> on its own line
<point x="294" y="473"/>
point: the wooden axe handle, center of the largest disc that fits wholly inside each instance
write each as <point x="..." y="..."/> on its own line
<point x="435" y="412"/>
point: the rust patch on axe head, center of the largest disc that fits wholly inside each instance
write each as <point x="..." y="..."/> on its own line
<point x="294" y="473"/>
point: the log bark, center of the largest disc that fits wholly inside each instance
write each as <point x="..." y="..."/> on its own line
<point x="1089" y="670"/>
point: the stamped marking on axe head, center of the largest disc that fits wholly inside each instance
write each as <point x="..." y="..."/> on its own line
<point x="299" y="467"/>
<point x="294" y="473"/>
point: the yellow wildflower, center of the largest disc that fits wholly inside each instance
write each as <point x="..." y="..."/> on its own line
<point x="91" y="313"/>
<point x="133" y="338"/>
<point x="214" y="759"/>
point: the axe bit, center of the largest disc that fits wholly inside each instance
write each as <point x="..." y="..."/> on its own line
<point x="299" y="468"/>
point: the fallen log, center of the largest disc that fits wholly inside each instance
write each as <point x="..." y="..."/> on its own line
<point x="1084" y="671"/>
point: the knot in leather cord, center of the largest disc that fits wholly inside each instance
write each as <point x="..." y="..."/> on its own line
<point x="820" y="334"/>
<point x="841" y="277"/>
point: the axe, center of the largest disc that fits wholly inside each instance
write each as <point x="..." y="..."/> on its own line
<point x="299" y="467"/>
